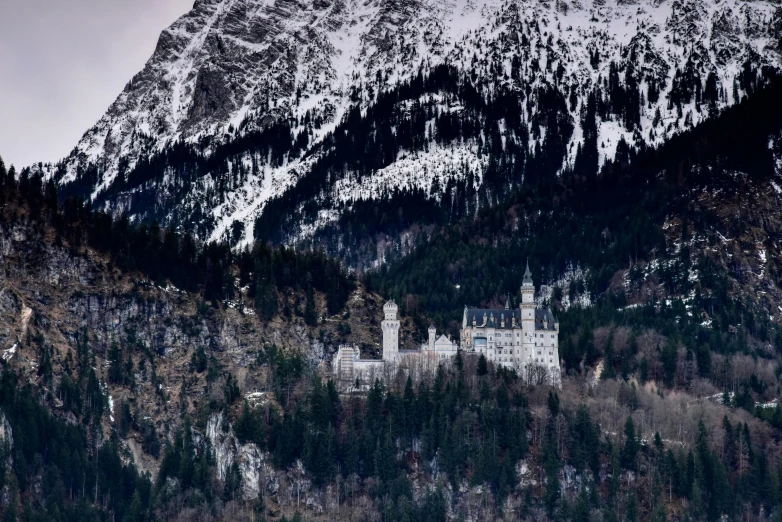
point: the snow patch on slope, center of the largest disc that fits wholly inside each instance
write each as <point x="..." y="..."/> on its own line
<point x="415" y="171"/>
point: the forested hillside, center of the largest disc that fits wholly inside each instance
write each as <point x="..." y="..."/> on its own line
<point x="651" y="227"/>
<point x="192" y="382"/>
<point x="517" y="147"/>
<point x="111" y="332"/>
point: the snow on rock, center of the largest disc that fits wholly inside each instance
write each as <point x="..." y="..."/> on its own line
<point x="110" y="400"/>
<point x="571" y="275"/>
<point x="231" y="67"/>
<point x="6" y="435"/>
<point x="111" y="408"/>
<point x="7" y="354"/>
<point x="414" y="171"/>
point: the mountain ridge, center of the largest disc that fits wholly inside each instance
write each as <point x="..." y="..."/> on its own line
<point x="238" y="71"/>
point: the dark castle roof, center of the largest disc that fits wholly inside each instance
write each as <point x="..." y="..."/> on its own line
<point x="544" y="317"/>
<point x="494" y="318"/>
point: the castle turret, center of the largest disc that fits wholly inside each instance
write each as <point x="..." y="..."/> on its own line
<point x="390" y="332"/>
<point x="432" y="334"/>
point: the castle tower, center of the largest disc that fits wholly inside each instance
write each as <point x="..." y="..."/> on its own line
<point x="390" y="327"/>
<point x="527" y="302"/>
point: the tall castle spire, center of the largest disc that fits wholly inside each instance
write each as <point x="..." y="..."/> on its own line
<point x="527" y="276"/>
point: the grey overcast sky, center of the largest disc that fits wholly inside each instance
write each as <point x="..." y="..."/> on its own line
<point x="62" y="63"/>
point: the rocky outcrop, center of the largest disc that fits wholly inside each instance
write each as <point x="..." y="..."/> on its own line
<point x="725" y="36"/>
<point x="212" y="97"/>
<point x="6" y="436"/>
<point x="254" y="468"/>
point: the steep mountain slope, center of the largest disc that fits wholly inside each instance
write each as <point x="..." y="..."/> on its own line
<point x="244" y="102"/>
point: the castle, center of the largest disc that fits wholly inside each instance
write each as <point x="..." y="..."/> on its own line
<point x="525" y="339"/>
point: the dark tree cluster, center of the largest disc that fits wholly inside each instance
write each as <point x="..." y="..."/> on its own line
<point x="58" y="472"/>
<point x="472" y="423"/>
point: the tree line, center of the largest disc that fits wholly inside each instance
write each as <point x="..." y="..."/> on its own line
<point x="166" y="255"/>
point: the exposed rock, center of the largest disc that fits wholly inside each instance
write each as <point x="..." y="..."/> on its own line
<point x="211" y="96"/>
<point x="6" y="436"/>
<point x="725" y="36"/>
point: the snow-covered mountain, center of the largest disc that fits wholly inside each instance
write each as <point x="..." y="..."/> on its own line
<point x="248" y="102"/>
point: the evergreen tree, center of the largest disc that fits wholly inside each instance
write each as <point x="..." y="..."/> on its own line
<point x="310" y="316"/>
<point x="630" y="448"/>
<point x="116" y="372"/>
<point x="233" y="482"/>
<point x="669" y="358"/>
<point x="483" y="366"/>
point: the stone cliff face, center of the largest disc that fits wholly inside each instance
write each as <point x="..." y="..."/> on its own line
<point x="231" y="67"/>
<point x="257" y="473"/>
